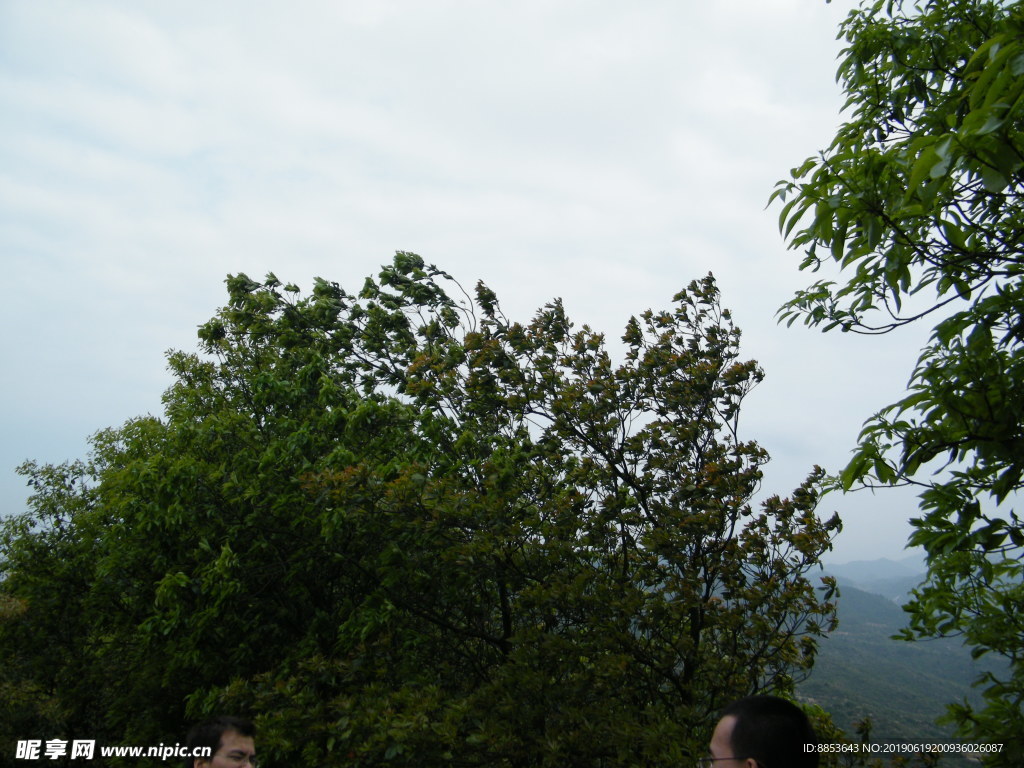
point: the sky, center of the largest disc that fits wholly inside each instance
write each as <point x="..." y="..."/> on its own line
<point x="602" y="152"/>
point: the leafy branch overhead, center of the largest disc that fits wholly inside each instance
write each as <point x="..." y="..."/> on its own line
<point x="916" y="206"/>
<point x="403" y="528"/>
<point x="918" y="194"/>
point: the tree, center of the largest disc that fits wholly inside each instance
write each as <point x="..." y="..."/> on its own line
<point x="917" y="204"/>
<point x="399" y="528"/>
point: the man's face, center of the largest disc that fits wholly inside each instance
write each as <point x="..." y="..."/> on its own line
<point x="721" y="746"/>
<point x="235" y="750"/>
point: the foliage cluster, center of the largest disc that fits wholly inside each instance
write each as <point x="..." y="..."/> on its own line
<point x="400" y="529"/>
<point x="917" y="202"/>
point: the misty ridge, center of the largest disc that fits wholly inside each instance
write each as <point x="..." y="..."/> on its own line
<point x="861" y="671"/>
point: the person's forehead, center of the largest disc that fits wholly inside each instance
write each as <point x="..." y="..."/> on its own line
<point x="231" y="741"/>
<point x="721" y="739"/>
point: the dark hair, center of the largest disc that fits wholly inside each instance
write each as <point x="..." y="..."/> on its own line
<point x="209" y="732"/>
<point x="773" y="731"/>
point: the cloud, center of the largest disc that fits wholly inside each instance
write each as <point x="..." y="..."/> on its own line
<point x="601" y="152"/>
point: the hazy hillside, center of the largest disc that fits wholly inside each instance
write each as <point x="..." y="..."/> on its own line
<point x="892" y="579"/>
<point x="861" y="671"/>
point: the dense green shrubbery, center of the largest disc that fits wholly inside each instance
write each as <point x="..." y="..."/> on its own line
<point x="396" y="531"/>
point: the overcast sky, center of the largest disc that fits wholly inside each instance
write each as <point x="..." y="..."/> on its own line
<point x="602" y="152"/>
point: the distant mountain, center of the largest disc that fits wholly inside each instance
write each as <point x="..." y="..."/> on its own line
<point x="882" y="568"/>
<point x="860" y="671"/>
<point x="893" y="579"/>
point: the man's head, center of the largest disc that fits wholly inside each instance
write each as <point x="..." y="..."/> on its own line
<point x="763" y="732"/>
<point x="229" y="739"/>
